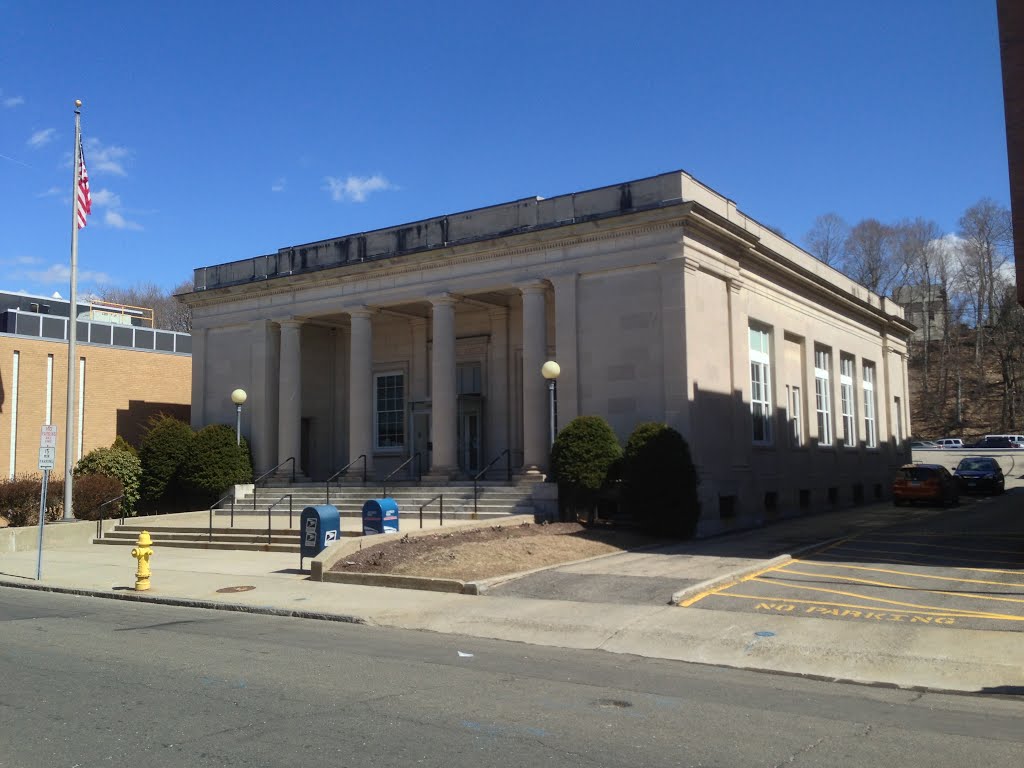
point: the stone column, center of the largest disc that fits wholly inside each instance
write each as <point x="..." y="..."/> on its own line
<point x="739" y="340"/>
<point x="289" y="411"/>
<point x="498" y="386"/>
<point x="258" y="412"/>
<point x="418" y="373"/>
<point x="360" y="388"/>
<point x="566" y="350"/>
<point x="443" y="399"/>
<point x="535" y="392"/>
<point x="199" y="377"/>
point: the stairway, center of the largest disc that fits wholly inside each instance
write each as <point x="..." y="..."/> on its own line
<point x="249" y="532"/>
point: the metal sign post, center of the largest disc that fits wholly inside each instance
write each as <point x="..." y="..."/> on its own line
<point x="47" y="456"/>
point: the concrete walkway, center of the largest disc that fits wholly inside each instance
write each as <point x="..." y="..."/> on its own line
<point x="910" y="656"/>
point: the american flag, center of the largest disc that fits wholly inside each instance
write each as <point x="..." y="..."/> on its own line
<point x="83" y="200"/>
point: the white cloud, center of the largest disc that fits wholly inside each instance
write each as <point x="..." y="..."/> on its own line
<point x="105" y="159"/>
<point x="23" y="260"/>
<point x="105" y="198"/>
<point x="278" y="186"/>
<point x="117" y="221"/>
<point x="61" y="273"/>
<point x="13" y="101"/>
<point x="51" y="192"/>
<point x="355" y="188"/>
<point x="42" y="138"/>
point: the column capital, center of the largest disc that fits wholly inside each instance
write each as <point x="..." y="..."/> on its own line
<point x="735" y="284"/>
<point x="442" y="299"/>
<point x="293" y="323"/>
<point x="690" y="264"/>
<point x="497" y="313"/>
<point x="362" y="311"/>
<point x="564" y="279"/>
<point x="532" y="287"/>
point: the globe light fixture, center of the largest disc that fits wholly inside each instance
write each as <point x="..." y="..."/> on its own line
<point x="238" y="397"/>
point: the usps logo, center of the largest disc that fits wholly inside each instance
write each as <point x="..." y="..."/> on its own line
<point x="330" y="536"/>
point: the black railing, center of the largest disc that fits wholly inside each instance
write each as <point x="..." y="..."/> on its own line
<point x="268" y="473"/>
<point x="271" y="509"/>
<point x="508" y="474"/>
<point x="439" y="497"/>
<point x="344" y="469"/>
<point x="419" y="473"/>
<point x="226" y="496"/>
<point x="100" y="516"/>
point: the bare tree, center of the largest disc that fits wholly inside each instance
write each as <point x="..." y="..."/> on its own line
<point x="168" y="312"/>
<point x="919" y="249"/>
<point x="872" y="258"/>
<point x="827" y="239"/>
<point x="986" y="233"/>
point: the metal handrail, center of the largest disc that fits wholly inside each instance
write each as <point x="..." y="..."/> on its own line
<point x="344" y="469"/>
<point x="392" y="473"/>
<point x="271" y="508"/>
<point x="99" y="519"/>
<point x="441" y="518"/>
<point x="230" y="495"/>
<point x="268" y="473"/>
<point x="506" y="453"/>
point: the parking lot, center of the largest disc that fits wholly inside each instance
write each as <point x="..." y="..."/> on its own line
<point x="963" y="568"/>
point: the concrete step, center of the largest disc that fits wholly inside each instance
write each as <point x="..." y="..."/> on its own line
<point x="215" y="544"/>
<point x="161" y="537"/>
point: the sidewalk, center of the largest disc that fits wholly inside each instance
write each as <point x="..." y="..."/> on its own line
<point x="949" y="659"/>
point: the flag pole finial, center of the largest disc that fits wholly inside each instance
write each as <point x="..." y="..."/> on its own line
<point x="78" y="103"/>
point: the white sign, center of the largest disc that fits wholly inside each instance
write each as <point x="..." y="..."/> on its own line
<point x="47" y="456"/>
<point x="48" y="436"/>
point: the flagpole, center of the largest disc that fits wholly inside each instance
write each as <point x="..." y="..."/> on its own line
<point x="69" y="422"/>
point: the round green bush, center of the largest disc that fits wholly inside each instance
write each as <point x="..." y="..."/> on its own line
<point x="165" y="447"/>
<point x="215" y="462"/>
<point x="660" y="480"/>
<point x="583" y="453"/>
<point x="123" y="465"/>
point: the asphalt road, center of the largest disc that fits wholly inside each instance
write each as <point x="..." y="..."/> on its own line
<point x="89" y="682"/>
<point x="962" y="567"/>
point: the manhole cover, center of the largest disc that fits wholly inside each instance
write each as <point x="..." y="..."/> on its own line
<point x="235" y="589"/>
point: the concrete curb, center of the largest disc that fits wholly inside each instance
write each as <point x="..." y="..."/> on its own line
<point x="182" y="602"/>
<point x="734" y="577"/>
<point x="402" y="582"/>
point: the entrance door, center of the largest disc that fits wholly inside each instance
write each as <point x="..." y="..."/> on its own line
<point x="470" y="435"/>
<point x="421" y="438"/>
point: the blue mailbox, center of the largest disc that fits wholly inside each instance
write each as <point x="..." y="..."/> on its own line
<point x="319" y="526"/>
<point x="380" y="516"/>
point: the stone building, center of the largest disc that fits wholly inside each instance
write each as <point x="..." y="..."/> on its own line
<point x="126" y="373"/>
<point x="925" y="307"/>
<point x="658" y="298"/>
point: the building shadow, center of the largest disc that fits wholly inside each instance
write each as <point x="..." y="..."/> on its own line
<point x="133" y="422"/>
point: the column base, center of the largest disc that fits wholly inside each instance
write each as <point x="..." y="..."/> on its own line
<point x="530" y="475"/>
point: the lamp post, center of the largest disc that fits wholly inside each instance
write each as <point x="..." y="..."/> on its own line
<point x="238" y="397"/>
<point x="550" y="371"/>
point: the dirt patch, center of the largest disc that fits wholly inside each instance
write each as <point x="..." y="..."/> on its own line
<point x="483" y="553"/>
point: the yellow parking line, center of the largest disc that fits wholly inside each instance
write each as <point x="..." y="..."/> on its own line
<point x="953" y="545"/>
<point x="951" y="567"/>
<point x="725" y="585"/>
<point x="817" y="564"/>
<point x="763" y="599"/>
<point x="878" y="599"/>
<point x="930" y="557"/>
<point x="868" y="582"/>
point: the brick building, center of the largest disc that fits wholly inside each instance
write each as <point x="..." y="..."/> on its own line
<point x="126" y="373"/>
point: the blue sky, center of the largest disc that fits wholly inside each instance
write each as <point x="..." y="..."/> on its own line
<point x="222" y="130"/>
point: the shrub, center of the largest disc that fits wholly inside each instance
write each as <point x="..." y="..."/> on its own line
<point x="581" y="458"/>
<point x="215" y="462"/>
<point x="120" y="444"/>
<point x="660" y="480"/>
<point x="19" y="500"/>
<point x="90" y="491"/>
<point x="165" y="447"/>
<point x="123" y="465"/>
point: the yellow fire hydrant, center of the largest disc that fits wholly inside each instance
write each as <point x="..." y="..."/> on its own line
<point x="142" y="553"/>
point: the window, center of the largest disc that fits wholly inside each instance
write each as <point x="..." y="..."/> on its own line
<point x="846" y="366"/>
<point x="796" y="432"/>
<point x="870" y="430"/>
<point x="822" y="398"/>
<point x="389" y="410"/>
<point x="760" y="386"/>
